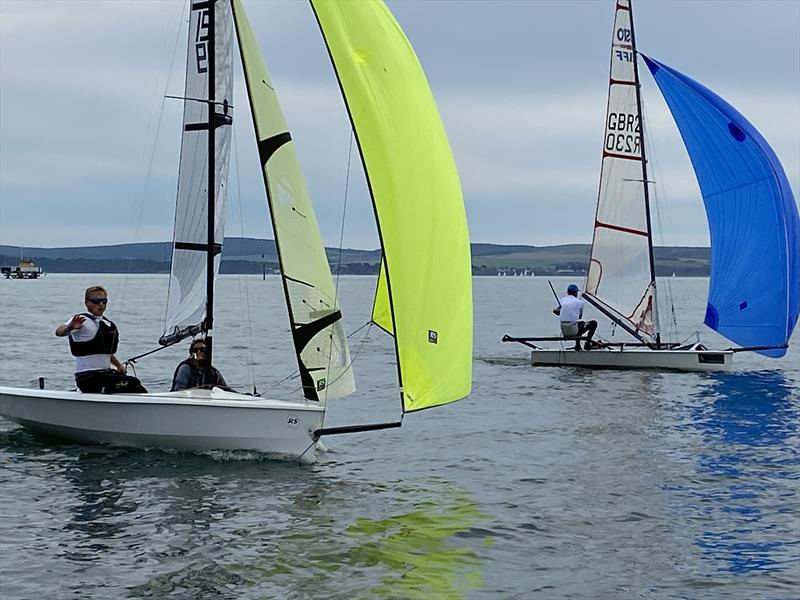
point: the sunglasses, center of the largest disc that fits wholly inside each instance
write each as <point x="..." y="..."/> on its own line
<point x="199" y="349"/>
<point x="97" y="300"/>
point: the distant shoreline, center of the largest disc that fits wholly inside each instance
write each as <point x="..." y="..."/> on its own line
<point x="256" y="256"/>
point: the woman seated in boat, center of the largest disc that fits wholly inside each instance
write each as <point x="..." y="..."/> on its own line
<point x="93" y="341"/>
<point x="570" y="313"/>
<point x="191" y="373"/>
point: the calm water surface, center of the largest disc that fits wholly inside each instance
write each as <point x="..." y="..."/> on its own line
<point x="544" y="483"/>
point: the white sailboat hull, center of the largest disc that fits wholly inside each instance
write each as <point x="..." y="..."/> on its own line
<point x="194" y="420"/>
<point x="638" y="358"/>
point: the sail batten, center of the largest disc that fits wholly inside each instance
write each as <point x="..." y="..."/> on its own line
<point x="754" y="291"/>
<point x="424" y="295"/>
<point x="318" y="332"/>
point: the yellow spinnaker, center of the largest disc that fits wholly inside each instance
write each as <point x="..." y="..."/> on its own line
<point x="424" y="295"/>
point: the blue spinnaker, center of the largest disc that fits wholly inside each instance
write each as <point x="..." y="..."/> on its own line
<point x="754" y="293"/>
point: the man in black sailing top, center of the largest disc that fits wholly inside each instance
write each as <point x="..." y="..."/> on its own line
<point x="570" y="313"/>
<point x="93" y="341"/>
<point x="190" y="373"/>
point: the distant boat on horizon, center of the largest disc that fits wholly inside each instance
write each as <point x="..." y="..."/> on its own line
<point x="24" y="269"/>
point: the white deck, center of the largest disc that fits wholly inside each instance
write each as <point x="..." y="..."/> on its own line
<point x="197" y="420"/>
<point x="636" y="358"/>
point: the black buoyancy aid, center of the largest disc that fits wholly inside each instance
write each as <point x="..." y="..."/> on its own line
<point x="104" y="342"/>
<point x="197" y="378"/>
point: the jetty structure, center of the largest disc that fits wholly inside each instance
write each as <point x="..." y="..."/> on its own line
<point x="24" y="269"/>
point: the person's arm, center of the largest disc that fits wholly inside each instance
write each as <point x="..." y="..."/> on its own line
<point x="121" y="368"/>
<point x="181" y="381"/>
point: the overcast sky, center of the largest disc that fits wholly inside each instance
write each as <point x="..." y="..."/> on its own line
<point x="89" y="147"/>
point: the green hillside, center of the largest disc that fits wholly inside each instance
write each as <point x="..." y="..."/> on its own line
<point x="248" y="255"/>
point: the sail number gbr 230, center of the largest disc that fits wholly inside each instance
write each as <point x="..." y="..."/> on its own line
<point x="623" y="134"/>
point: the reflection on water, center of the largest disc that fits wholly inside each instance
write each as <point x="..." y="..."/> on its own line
<point x="413" y="554"/>
<point x="196" y="527"/>
<point x="416" y="550"/>
<point x="754" y="409"/>
<point x="747" y="465"/>
<point x="612" y="484"/>
<point x="99" y="509"/>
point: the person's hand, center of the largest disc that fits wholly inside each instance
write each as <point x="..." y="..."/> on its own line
<point x="121" y="368"/>
<point x="76" y="322"/>
<point x="556" y="311"/>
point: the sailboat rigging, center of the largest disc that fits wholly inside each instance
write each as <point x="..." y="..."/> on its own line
<point x="199" y="230"/>
<point x="754" y="293"/>
<point x="423" y="297"/>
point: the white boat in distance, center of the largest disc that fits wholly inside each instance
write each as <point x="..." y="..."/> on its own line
<point x="754" y="292"/>
<point x="420" y="217"/>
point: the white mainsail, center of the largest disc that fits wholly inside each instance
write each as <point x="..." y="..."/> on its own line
<point x="620" y="279"/>
<point x="317" y="330"/>
<point x="186" y="301"/>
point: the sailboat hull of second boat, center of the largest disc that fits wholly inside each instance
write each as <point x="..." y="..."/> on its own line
<point x="636" y="358"/>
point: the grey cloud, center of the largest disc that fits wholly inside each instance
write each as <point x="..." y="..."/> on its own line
<point x="521" y="87"/>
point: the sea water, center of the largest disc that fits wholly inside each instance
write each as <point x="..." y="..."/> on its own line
<point x="544" y="483"/>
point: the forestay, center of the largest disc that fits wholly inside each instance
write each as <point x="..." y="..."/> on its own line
<point x="620" y="277"/>
<point x="754" y="293"/>
<point x="424" y="295"/>
<point x="187" y="282"/>
<point x="319" y="338"/>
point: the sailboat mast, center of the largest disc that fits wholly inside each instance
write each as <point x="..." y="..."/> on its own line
<point x="645" y="182"/>
<point x="621" y="276"/>
<point x="211" y="246"/>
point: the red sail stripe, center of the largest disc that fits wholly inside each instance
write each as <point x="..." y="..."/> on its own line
<point x="620" y="228"/>
<point x="625" y="156"/>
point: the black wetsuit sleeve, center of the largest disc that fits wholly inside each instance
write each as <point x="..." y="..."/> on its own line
<point x="182" y="377"/>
